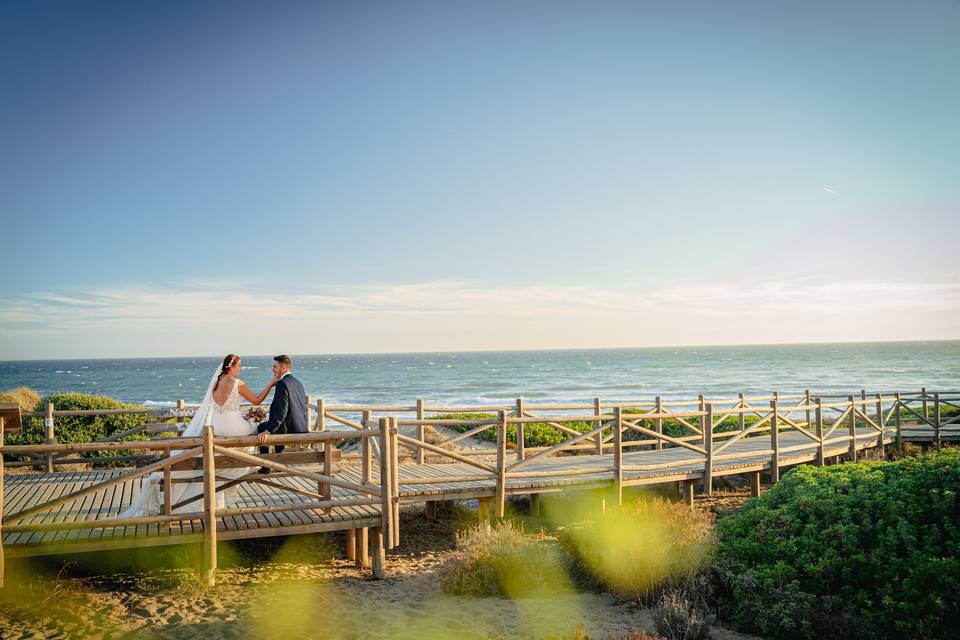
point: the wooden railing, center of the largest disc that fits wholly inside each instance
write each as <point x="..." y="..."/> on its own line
<point x="209" y="453"/>
<point x="822" y="421"/>
<point x="171" y="421"/>
<point x="809" y="416"/>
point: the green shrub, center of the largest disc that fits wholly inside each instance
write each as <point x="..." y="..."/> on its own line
<point x="867" y="550"/>
<point x="68" y="429"/>
<point x="501" y="561"/>
<point x="541" y="434"/>
<point x="642" y="549"/>
<point x="535" y="434"/>
<point x="25" y="397"/>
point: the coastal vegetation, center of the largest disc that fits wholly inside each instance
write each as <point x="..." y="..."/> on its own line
<point x="868" y="550"/>
<point x="79" y="428"/>
<point x="858" y="550"/>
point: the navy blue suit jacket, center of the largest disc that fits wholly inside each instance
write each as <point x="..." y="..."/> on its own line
<point x="288" y="411"/>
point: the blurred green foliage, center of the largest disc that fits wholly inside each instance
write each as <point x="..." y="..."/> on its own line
<point x="640" y="550"/>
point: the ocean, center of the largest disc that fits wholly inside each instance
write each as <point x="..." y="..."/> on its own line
<point x="483" y="378"/>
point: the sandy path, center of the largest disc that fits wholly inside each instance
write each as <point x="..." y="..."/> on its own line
<point x="296" y="588"/>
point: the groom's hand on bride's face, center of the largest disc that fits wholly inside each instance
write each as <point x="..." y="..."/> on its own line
<point x="262" y="437"/>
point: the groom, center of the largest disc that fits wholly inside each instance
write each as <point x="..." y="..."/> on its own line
<point x="288" y="411"/>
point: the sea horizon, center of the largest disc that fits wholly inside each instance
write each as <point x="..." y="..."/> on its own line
<point x="469" y="378"/>
<point x="462" y="351"/>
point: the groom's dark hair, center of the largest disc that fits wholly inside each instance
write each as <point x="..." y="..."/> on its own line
<point x="284" y="360"/>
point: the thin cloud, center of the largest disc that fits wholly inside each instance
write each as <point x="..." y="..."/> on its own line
<point x="829" y="190"/>
<point x="449" y="315"/>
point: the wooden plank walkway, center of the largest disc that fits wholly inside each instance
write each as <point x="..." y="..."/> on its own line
<point x="579" y="472"/>
<point x="24" y="490"/>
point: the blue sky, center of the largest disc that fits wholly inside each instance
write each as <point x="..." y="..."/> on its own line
<point x="187" y="178"/>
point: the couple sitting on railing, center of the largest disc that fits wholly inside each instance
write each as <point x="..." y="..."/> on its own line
<point x="221" y="409"/>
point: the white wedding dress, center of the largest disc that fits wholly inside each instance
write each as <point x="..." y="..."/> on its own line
<point x="227" y="421"/>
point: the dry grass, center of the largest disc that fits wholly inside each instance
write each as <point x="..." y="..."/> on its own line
<point x="27" y="398"/>
<point x="501" y="561"/>
<point x="434" y="437"/>
<point x="678" y="617"/>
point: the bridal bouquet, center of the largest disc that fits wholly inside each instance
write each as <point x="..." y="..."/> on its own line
<point x="255" y="414"/>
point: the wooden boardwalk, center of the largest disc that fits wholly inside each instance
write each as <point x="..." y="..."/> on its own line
<point x="25" y="490"/>
<point x="62" y="512"/>
<point x="584" y="471"/>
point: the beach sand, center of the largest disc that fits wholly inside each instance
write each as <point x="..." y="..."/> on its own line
<point x="296" y="587"/>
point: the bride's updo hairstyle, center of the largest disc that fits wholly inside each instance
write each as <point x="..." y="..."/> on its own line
<point x="227" y="363"/>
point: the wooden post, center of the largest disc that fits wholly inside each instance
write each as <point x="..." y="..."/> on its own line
<point x="421" y="430"/>
<point x="2" y="562"/>
<point x="366" y="459"/>
<point x="706" y="422"/>
<point x="520" y="443"/>
<point x="923" y="400"/>
<point x="852" y="424"/>
<point x="209" y="507"/>
<point x="536" y="505"/>
<point x="379" y="554"/>
<point x="362" y="553"/>
<point x="385" y="484"/>
<point x="688" y="492"/>
<point x="325" y="488"/>
<point x="863" y="401"/>
<point x="775" y="439"/>
<point x="178" y="417"/>
<point x="500" y="498"/>
<point x="700" y="409"/>
<point x="936" y="417"/>
<point x="755" y="484"/>
<point x="394" y="540"/>
<point x="483" y="511"/>
<point x="310" y="413"/>
<point x="351" y="544"/>
<point x="167" y="475"/>
<point x="819" y="418"/>
<point x="896" y="422"/>
<point x="742" y="417"/>
<point x="430" y="510"/>
<point x="50" y="436"/>
<point x="167" y="488"/>
<point x="806" y="403"/>
<point x="598" y="439"/>
<point x="658" y="423"/>
<point x="618" y="454"/>
<point x="880" y="422"/>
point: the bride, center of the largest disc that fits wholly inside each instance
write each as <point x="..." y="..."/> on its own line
<point x="221" y="404"/>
